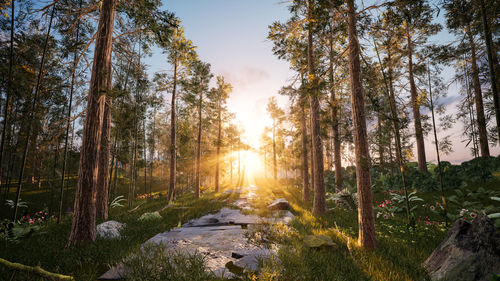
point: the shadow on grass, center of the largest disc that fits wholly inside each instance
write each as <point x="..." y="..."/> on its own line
<point x="86" y="262"/>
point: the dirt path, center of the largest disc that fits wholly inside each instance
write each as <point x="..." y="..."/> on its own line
<point x="220" y="237"/>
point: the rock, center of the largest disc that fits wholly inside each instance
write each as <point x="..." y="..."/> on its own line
<point x="470" y="251"/>
<point x="250" y="259"/>
<point x="233" y="191"/>
<point x="279" y="204"/>
<point x="318" y="241"/>
<point x="225" y="216"/>
<point x="109" y="229"/>
<point x="285" y="216"/>
<point x="150" y="216"/>
<point x="115" y="273"/>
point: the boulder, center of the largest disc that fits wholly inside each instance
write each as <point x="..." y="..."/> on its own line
<point x="470" y="251"/>
<point x="150" y="216"/>
<point x="109" y="229"/>
<point x="279" y="204"/>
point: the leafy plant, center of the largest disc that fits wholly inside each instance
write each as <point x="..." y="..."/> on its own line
<point x="495" y="216"/>
<point x="345" y="199"/>
<point x="150" y="216"/>
<point x="20" y="203"/>
<point x="117" y="202"/>
<point x="400" y="203"/>
<point x="14" y="232"/>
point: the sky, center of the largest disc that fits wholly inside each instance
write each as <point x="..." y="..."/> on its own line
<point x="231" y="36"/>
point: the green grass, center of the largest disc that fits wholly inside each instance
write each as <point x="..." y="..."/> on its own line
<point x="46" y="247"/>
<point x="399" y="254"/>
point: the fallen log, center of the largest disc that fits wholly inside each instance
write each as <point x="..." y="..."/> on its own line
<point x="35" y="270"/>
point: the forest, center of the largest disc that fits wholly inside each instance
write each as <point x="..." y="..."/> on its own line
<point x="124" y="157"/>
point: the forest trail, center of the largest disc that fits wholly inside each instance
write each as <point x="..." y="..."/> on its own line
<point x="219" y="237"/>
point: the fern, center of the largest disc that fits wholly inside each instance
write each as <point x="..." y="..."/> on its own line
<point x="117" y="202"/>
<point x="20" y="203"/>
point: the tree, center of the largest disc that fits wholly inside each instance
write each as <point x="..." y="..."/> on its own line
<point x="219" y="96"/>
<point x="415" y="19"/>
<point x="83" y="226"/>
<point x="492" y="64"/>
<point x="6" y="112"/>
<point x="32" y="117"/>
<point x="319" y="205"/>
<point x="366" y="221"/>
<point x="197" y="85"/>
<point x="277" y="115"/>
<point x="459" y="19"/>
<point x="180" y="54"/>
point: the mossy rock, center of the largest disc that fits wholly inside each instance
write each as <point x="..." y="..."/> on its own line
<point x="318" y="241"/>
<point x="150" y="216"/>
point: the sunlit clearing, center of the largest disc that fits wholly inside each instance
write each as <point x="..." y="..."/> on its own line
<point x="252" y="166"/>
<point x="253" y="125"/>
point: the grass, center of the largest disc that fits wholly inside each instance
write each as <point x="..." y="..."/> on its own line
<point x="46" y="247"/>
<point x="398" y="256"/>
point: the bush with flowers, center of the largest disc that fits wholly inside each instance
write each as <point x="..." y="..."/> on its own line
<point x="153" y="195"/>
<point x="25" y="226"/>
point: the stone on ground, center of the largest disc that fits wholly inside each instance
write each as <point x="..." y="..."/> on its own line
<point x="279" y="204"/>
<point x="470" y="251"/>
<point x="109" y="229"/>
<point x="150" y="216"/>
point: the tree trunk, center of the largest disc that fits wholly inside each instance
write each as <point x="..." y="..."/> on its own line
<point x="366" y="219"/>
<point x="478" y="97"/>
<point x="68" y="116"/>
<point x="32" y="117"/>
<point x="197" y="183"/>
<point x="492" y="65"/>
<point x="381" y="148"/>
<point x="9" y="90"/>
<point x="337" y="160"/>
<point x="144" y="156"/>
<point x="275" y="164"/>
<point x="219" y="120"/>
<point x="419" y="135"/>
<point x="443" y="198"/>
<point x="319" y="204"/>
<point x="395" y="122"/>
<point x="83" y="226"/>
<point x="305" y="162"/>
<point x="173" y="157"/>
<point x="471" y="111"/>
<point x="103" y="174"/>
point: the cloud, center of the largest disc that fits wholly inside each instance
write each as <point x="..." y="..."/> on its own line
<point x="245" y="76"/>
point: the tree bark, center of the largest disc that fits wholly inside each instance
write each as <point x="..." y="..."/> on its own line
<point x="366" y="219"/>
<point x="173" y="137"/>
<point x="419" y="135"/>
<point x="197" y="183"/>
<point x="9" y="90"/>
<point x="275" y="164"/>
<point x="68" y="116"/>
<point x="32" y="117"/>
<point x="306" y="194"/>
<point x="83" y="227"/>
<point x="492" y="65"/>
<point x="217" y="164"/>
<point x="319" y="204"/>
<point x="103" y="170"/>
<point x="335" y="123"/>
<point x="478" y="97"/>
